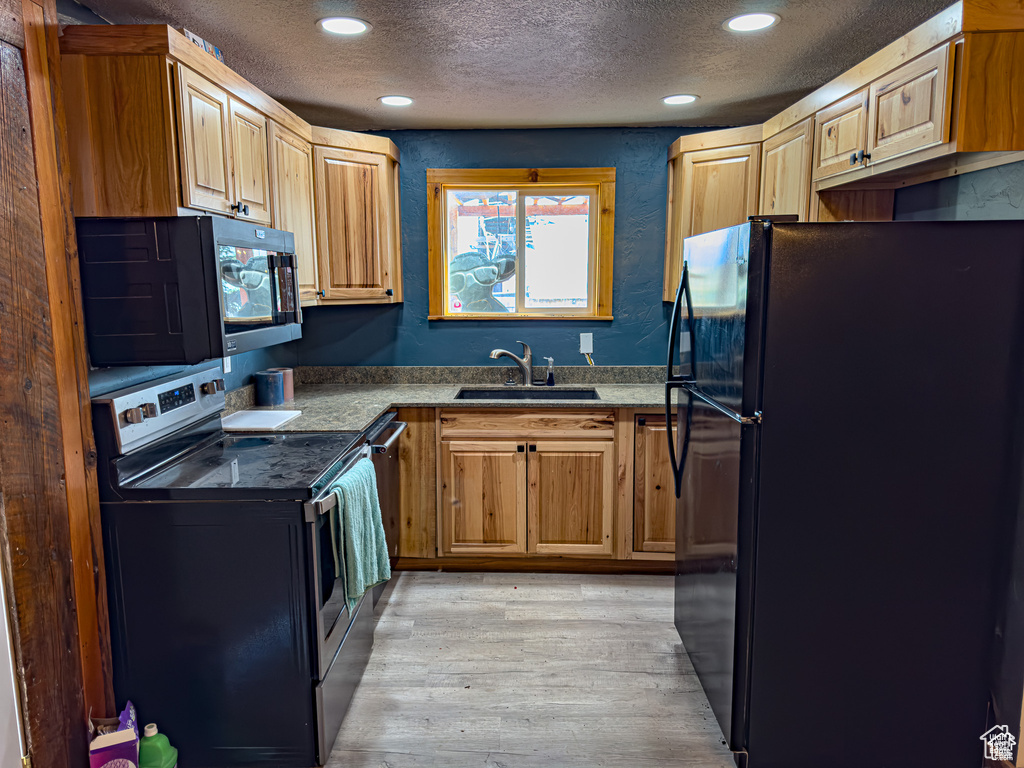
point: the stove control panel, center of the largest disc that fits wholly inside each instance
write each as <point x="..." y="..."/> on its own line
<point x="177" y="397"/>
<point x="146" y="412"/>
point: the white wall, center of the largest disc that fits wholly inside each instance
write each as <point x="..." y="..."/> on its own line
<point x="10" y="723"/>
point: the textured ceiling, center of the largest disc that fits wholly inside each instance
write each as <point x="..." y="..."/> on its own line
<point x="531" y="63"/>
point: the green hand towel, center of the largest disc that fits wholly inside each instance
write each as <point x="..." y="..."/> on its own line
<point x="357" y="532"/>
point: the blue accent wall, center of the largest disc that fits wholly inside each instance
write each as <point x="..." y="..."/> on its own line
<point x="994" y="193"/>
<point x="401" y="334"/>
<point x="243" y="366"/>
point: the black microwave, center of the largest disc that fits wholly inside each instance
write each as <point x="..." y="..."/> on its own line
<point x="180" y="290"/>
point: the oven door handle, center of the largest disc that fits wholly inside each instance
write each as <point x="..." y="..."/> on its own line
<point x="401" y="427"/>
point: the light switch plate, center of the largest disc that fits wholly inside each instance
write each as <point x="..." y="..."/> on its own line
<point x="586" y="343"/>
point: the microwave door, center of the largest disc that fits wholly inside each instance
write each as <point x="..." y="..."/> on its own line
<point x="247" y="288"/>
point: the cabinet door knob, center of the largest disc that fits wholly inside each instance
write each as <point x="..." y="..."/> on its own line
<point x="390" y="292"/>
<point x="321" y="293"/>
<point x="642" y="421"/>
<point x="520" y="448"/>
<point x="533" y="449"/>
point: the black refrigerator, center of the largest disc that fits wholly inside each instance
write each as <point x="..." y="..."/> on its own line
<point x="846" y="400"/>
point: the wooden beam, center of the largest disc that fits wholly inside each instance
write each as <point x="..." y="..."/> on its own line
<point x="12" y="31"/>
<point x="49" y="136"/>
<point x="34" y="531"/>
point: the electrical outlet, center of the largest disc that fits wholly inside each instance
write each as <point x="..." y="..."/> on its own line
<point x="586" y="343"/>
<point x="227" y="365"/>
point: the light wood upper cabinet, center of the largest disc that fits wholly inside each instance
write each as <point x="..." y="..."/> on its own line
<point x="251" y="163"/>
<point x="654" y="499"/>
<point x="571" y="504"/>
<point x="483" y="497"/>
<point x="205" y="143"/>
<point x="910" y="108"/>
<point x="713" y="186"/>
<point x="719" y="187"/>
<point x="291" y="173"/>
<point x="840" y="135"/>
<point x="786" y="171"/>
<point x="353" y="227"/>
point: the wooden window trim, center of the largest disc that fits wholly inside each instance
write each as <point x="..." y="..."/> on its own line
<point x="602" y="266"/>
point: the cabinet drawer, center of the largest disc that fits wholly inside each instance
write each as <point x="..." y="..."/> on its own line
<point x="520" y="425"/>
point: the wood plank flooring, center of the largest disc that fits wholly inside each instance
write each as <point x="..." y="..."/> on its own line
<point x="513" y="670"/>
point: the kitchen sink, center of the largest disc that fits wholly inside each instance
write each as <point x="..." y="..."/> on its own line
<point x="527" y="393"/>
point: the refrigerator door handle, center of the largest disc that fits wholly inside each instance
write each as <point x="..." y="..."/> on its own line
<point x="757" y="418"/>
<point x="683" y="291"/>
<point x="678" y="463"/>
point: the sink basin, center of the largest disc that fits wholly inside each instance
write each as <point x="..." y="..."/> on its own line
<point x="527" y="393"/>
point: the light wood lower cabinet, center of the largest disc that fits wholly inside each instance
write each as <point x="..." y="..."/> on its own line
<point x="519" y="483"/>
<point x="654" y="499"/>
<point x="483" y="497"/>
<point x="571" y="497"/>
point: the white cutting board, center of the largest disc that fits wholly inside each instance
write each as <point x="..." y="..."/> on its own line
<point x="257" y="421"/>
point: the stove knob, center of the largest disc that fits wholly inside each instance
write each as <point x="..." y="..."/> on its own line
<point x="212" y="387"/>
<point x="149" y="410"/>
<point x="134" y="415"/>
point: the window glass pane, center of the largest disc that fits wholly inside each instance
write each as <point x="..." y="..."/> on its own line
<point x="481" y="250"/>
<point x="557" y="253"/>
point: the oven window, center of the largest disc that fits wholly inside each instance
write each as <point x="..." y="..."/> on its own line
<point x="246" y="287"/>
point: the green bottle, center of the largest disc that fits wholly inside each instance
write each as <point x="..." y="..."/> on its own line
<point x="155" y="751"/>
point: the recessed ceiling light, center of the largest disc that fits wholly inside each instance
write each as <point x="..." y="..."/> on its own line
<point x="344" y="25"/>
<point x="680" y="98"/>
<point x="751" y="22"/>
<point x="395" y="101"/>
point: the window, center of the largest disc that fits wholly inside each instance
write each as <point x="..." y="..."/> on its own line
<point x="520" y="243"/>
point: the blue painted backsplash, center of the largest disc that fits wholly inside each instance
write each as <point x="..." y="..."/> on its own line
<point x="243" y="366"/>
<point x="401" y="334"/>
<point x="994" y="193"/>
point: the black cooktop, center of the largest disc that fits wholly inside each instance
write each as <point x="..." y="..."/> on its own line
<point x="254" y="462"/>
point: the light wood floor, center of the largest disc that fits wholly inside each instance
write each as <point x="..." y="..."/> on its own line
<point x="526" y="670"/>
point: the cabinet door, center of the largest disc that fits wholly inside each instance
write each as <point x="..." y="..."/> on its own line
<point x="786" y="171"/>
<point x="910" y="108"/>
<point x="351" y="233"/>
<point x="291" y="173"/>
<point x="839" y="132"/>
<point x="654" y="499"/>
<point x="204" y="143"/>
<point x="570" y="497"/>
<point x="719" y="188"/>
<point x="483" y="497"/>
<point x="251" y="171"/>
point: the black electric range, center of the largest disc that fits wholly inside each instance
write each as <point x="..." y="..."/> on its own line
<point x="229" y="624"/>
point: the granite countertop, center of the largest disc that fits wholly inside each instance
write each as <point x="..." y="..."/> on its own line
<point x="353" y="407"/>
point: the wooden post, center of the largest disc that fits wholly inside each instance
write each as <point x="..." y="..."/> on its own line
<point x="34" y="529"/>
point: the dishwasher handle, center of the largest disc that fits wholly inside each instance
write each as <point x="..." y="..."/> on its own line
<point x="384" y="448"/>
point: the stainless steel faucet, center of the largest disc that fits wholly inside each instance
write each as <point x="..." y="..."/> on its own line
<point x="525" y="362"/>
